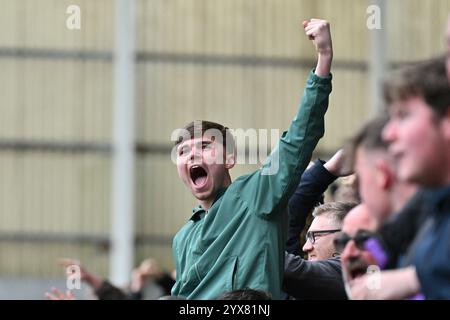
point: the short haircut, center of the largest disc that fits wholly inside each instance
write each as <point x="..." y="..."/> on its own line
<point x="246" y="294"/>
<point x="369" y="137"/>
<point x="201" y="126"/>
<point x="426" y="79"/>
<point x="336" y="211"/>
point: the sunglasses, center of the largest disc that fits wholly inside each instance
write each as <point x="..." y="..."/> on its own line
<point x="311" y="236"/>
<point x="367" y="241"/>
<point x="360" y="239"/>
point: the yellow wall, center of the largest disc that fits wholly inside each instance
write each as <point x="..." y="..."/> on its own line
<point x="70" y="100"/>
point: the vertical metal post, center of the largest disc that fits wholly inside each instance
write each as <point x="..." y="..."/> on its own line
<point x="122" y="231"/>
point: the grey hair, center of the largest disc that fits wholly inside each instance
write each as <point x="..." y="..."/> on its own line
<point x="336" y="211"/>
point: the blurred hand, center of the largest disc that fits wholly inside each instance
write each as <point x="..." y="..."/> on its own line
<point x="85" y="275"/>
<point x="386" y="285"/>
<point x="67" y="262"/>
<point x="150" y="268"/>
<point x="336" y="165"/>
<point x="59" y="296"/>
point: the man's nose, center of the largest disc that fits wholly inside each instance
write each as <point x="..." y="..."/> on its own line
<point x="388" y="132"/>
<point x="195" y="155"/>
<point x="307" y="247"/>
<point x="351" y="250"/>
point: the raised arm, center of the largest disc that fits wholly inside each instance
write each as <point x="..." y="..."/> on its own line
<point x="272" y="185"/>
<point x="313" y="183"/>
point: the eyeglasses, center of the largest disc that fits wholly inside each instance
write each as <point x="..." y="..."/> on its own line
<point x="311" y="235"/>
<point x="360" y="239"/>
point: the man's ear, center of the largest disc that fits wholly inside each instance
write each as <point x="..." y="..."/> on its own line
<point x="445" y="125"/>
<point x="230" y="160"/>
<point x="384" y="175"/>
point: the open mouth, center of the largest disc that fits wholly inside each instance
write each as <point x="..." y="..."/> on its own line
<point x="356" y="268"/>
<point x="198" y="175"/>
<point x="357" y="272"/>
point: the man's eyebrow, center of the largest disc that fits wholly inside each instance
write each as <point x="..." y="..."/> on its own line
<point x="203" y="142"/>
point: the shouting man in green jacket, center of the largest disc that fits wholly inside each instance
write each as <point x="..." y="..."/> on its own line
<point x="236" y="236"/>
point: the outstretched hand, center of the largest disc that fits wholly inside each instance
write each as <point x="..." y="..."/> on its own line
<point x="318" y="31"/>
<point x="67" y="263"/>
<point x="90" y="278"/>
<point x="58" y="295"/>
<point x="149" y="268"/>
<point x="385" y="285"/>
<point x="337" y="166"/>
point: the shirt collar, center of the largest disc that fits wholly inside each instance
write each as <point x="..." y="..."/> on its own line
<point x="199" y="212"/>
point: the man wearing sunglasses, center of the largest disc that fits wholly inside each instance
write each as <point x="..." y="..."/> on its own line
<point x="363" y="254"/>
<point x="357" y="230"/>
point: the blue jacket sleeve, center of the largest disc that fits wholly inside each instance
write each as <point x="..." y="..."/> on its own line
<point x="314" y="182"/>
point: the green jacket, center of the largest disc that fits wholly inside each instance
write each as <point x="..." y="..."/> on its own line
<point x="239" y="243"/>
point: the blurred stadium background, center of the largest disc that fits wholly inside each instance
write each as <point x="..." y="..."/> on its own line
<point x="242" y="63"/>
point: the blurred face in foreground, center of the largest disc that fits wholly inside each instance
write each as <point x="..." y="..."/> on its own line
<point x="417" y="141"/>
<point x="356" y="230"/>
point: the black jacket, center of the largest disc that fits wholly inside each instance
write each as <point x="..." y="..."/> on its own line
<point x="310" y="280"/>
<point x="313" y="280"/>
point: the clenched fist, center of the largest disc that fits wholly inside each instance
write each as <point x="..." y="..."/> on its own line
<point x="319" y="32"/>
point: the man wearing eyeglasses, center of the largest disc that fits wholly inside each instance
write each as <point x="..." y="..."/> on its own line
<point x="327" y="221"/>
<point x="319" y="277"/>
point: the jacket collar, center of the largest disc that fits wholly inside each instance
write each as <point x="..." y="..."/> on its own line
<point x="199" y="212"/>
